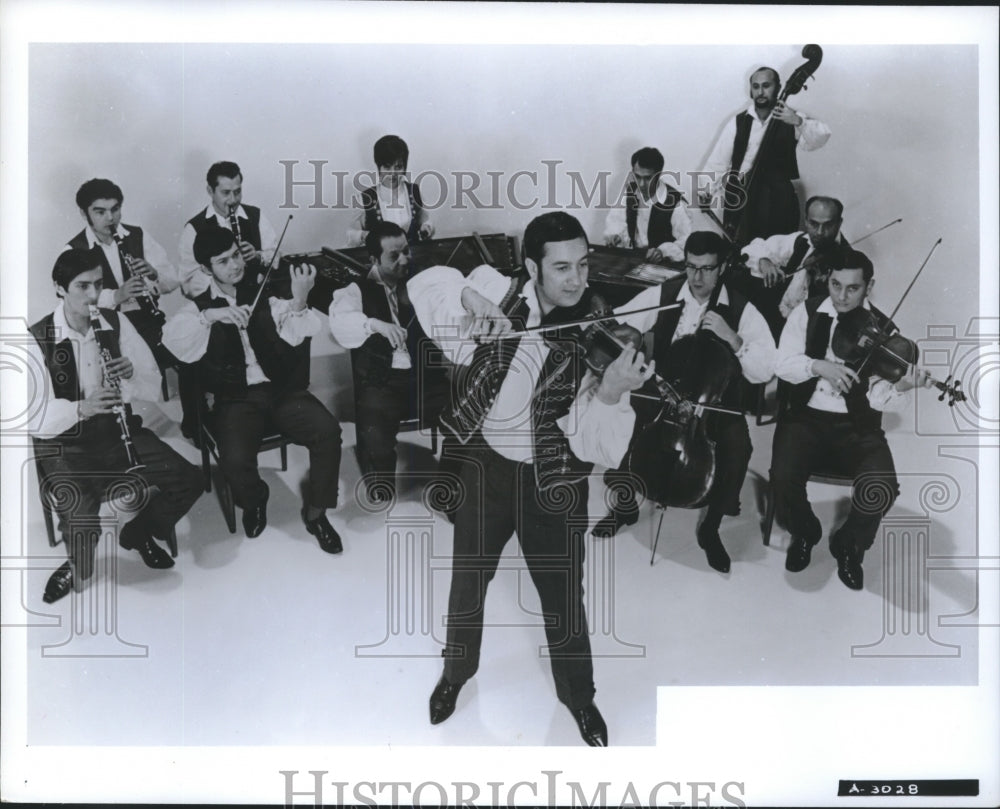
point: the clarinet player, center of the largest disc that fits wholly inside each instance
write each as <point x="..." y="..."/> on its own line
<point x="87" y="434"/>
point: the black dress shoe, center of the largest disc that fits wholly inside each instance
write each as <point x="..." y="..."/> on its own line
<point x="591" y="724"/>
<point x="328" y="538"/>
<point x="255" y="520"/>
<point x="715" y="552"/>
<point x="443" y="699"/>
<point x="615" y="520"/>
<point x="849" y="569"/>
<point x="798" y="556"/>
<point x="59" y="583"/>
<point x="134" y="538"/>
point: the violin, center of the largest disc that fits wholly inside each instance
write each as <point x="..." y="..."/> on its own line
<point x="868" y="349"/>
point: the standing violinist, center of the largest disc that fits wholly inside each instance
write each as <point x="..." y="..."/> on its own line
<point x="654" y="217"/>
<point x="786" y="269"/>
<point x="529" y="421"/>
<point x="252" y="354"/>
<point x="741" y="329"/>
<point x="772" y="205"/>
<point x="130" y="287"/>
<point x="226" y="209"/>
<point x="834" y="423"/>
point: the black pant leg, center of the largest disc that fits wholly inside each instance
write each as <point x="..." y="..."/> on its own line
<point x="484" y="522"/>
<point x="178" y="483"/>
<point x="732" y="459"/>
<point x="799" y="444"/>
<point x="239" y="426"/>
<point x="551" y="531"/>
<point x="303" y="418"/>
<point x="876" y="486"/>
<point x="378" y="413"/>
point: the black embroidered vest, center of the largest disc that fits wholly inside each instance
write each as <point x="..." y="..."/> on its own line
<point x="223" y="368"/>
<point x="249" y="227"/>
<point x="666" y="325"/>
<point x="373" y="213"/>
<point x="818" y="328"/>
<point x="778" y="160"/>
<point x="477" y="385"/>
<point x="60" y="362"/>
<point x="132" y="243"/>
<point x="660" y="228"/>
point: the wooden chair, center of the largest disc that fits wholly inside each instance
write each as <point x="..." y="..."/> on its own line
<point x="210" y="449"/>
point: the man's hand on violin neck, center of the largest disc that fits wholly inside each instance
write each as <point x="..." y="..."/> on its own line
<point x="488" y="322"/>
<point x="916" y="378"/>
<point x="626" y="373"/>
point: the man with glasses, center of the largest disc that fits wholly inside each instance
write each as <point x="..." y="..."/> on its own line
<point x="738" y="324"/>
<point x="654" y="216"/>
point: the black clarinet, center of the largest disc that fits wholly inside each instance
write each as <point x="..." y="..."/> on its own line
<point x="149" y="300"/>
<point x="108" y="351"/>
<point x="234" y="223"/>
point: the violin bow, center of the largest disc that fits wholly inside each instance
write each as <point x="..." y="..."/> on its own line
<point x="871" y="233"/>
<point x="270" y="266"/>
<point x="588" y="321"/>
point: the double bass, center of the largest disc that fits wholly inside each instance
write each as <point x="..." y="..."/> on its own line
<point x="739" y="190"/>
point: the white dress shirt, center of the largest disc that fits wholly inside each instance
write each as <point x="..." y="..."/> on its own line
<point x="55" y="416"/>
<point x="193" y="281"/>
<point x="795" y="366"/>
<point x="186" y="333"/>
<point x="757" y="354"/>
<point x="351" y="327"/>
<point x="597" y="432"/>
<point x="156" y="257"/>
<point x="810" y="135"/>
<point x="680" y="224"/>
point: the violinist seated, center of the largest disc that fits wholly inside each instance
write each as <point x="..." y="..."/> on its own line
<point x="786" y="269"/>
<point x="135" y="270"/>
<point x="253" y="356"/>
<point x="771" y="205"/>
<point x="226" y="209"/>
<point x="393" y="379"/>
<point x="529" y="420"/>
<point x="393" y="198"/>
<point x="654" y="217"/>
<point x="834" y="418"/>
<point x="80" y="432"/>
<point x="748" y="349"/>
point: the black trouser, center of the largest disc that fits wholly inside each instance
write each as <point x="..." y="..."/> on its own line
<point x="241" y="424"/>
<point x="811" y="441"/>
<point x="91" y="469"/>
<point x="502" y="498"/>
<point x="772" y="207"/>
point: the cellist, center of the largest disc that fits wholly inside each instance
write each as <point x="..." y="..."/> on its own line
<point x="741" y="328"/>
<point x="772" y="205"/>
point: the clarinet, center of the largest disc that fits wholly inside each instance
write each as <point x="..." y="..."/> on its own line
<point x="107" y="350"/>
<point x="234" y="223"/>
<point x="147" y="301"/>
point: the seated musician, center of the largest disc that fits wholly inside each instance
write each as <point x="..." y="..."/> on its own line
<point x="529" y="421"/>
<point x="393" y="199"/>
<point x="654" y="217"/>
<point x="226" y="209"/>
<point x="78" y="418"/>
<point x="255" y="360"/>
<point x="788" y="268"/>
<point x="135" y="271"/>
<point x="834" y="423"/>
<point x="392" y="380"/>
<point x="739" y="325"/>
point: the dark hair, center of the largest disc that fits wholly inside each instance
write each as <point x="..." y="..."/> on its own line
<point x="777" y="77"/>
<point x="212" y="242"/>
<point x="97" y="189"/>
<point x="554" y="226"/>
<point x="704" y="243"/>
<point x="848" y="259"/>
<point x="75" y="261"/>
<point x="224" y="168"/>
<point x="648" y="157"/>
<point x="389" y="149"/>
<point x="381" y="230"/>
<point x="832" y="201"/>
